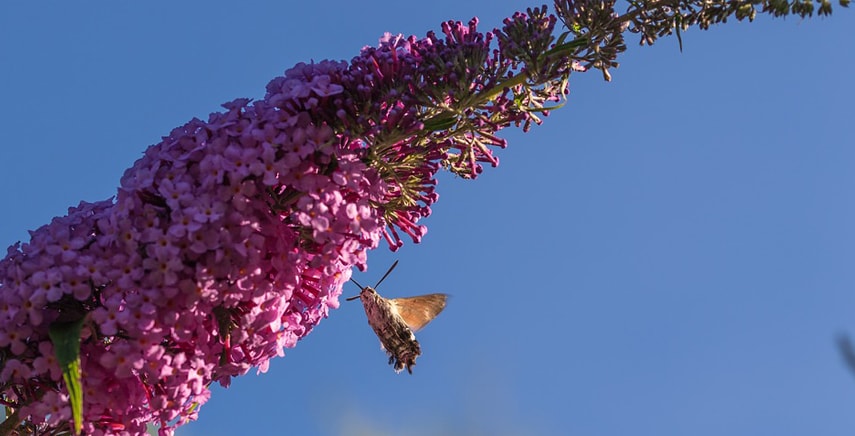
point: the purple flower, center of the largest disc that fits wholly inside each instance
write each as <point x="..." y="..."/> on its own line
<point x="230" y="240"/>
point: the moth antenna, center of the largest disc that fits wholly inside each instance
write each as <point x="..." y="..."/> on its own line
<point x="357" y="284"/>
<point x="387" y="274"/>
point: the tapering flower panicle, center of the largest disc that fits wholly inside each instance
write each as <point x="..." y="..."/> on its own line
<point x="230" y="239"/>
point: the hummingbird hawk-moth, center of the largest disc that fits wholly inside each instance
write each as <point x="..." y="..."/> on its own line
<point x="395" y="319"/>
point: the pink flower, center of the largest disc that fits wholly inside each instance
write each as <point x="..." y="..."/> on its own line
<point x="230" y="240"/>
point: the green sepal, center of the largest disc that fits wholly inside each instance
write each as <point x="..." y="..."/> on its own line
<point x="65" y="337"/>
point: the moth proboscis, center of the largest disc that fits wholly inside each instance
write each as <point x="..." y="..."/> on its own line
<point x="395" y="319"/>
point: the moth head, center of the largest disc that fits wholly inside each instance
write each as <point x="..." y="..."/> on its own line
<point x="368" y="291"/>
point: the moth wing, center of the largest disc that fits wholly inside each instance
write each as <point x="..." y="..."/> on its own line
<point x="418" y="311"/>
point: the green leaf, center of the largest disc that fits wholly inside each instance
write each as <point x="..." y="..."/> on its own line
<point x="66" y="345"/>
<point x="439" y="122"/>
<point x="568" y="48"/>
<point x="562" y="38"/>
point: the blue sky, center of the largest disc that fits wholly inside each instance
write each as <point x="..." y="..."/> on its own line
<point x="671" y="253"/>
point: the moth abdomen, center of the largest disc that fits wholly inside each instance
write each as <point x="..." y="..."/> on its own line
<point x="394" y="320"/>
<point x="396" y="338"/>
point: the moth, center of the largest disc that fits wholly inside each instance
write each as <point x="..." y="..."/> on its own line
<point x="395" y="319"/>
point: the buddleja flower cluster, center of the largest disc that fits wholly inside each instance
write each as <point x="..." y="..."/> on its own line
<point x="231" y="239"/>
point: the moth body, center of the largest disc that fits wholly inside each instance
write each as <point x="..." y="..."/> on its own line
<point x="396" y="337"/>
<point x="394" y="321"/>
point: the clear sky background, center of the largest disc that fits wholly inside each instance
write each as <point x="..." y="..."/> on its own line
<point x="672" y="253"/>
